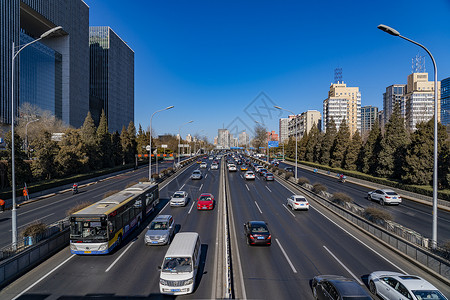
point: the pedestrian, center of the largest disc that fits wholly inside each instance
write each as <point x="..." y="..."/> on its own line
<point x="2" y="205"/>
<point x="25" y="194"/>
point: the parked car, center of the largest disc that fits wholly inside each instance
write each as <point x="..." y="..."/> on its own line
<point x="384" y="197"/>
<point x="160" y="231"/>
<point x="289" y="169"/>
<point x="197" y="174"/>
<point x="249" y="175"/>
<point x="232" y="168"/>
<point x="205" y="202"/>
<point x="393" y="285"/>
<point x="268" y="176"/>
<point x="257" y="233"/>
<point x="179" y="198"/>
<point x="297" y="202"/>
<point x="214" y="166"/>
<point x="203" y="165"/>
<point x="337" y="287"/>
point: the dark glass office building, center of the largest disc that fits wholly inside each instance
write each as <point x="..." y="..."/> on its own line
<point x="52" y="73"/>
<point x="445" y="101"/>
<point x="111" y="78"/>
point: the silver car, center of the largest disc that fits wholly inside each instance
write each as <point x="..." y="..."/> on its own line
<point x="298" y="202"/>
<point x="214" y="166"/>
<point x="196" y="175"/>
<point x="203" y="165"/>
<point x="384" y="197"/>
<point x="160" y="231"/>
<point x="179" y="198"/>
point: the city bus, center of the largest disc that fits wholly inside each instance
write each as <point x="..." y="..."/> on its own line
<point x="100" y="227"/>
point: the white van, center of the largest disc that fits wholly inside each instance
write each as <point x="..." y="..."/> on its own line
<point x="180" y="264"/>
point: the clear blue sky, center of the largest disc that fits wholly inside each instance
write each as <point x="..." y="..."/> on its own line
<point x="224" y="63"/>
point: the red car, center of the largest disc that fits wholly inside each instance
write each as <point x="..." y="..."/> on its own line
<point x="205" y="202"/>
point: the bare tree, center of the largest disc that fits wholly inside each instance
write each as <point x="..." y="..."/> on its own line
<point x="260" y="138"/>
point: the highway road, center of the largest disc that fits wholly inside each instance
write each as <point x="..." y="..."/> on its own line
<point x="410" y="214"/>
<point x="304" y="244"/>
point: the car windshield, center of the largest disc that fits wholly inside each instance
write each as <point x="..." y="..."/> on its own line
<point x="89" y="230"/>
<point x="158" y="225"/>
<point x="196" y="173"/>
<point x="205" y="198"/>
<point x="429" y="295"/>
<point x="178" y="195"/>
<point x="177" y="264"/>
<point x="259" y="229"/>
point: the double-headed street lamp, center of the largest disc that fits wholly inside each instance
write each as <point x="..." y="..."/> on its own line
<point x="13" y="177"/>
<point x="394" y="32"/>
<point x="277" y="107"/>
<point x="150" y="150"/>
<point x="179" y="136"/>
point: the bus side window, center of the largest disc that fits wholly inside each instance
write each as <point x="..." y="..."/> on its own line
<point x="125" y="217"/>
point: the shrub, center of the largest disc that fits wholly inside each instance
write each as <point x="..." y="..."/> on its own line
<point x="163" y="172"/>
<point x="280" y="172"/>
<point x="77" y="207"/>
<point x="302" y="180"/>
<point x="143" y="179"/>
<point x="109" y="193"/>
<point x="170" y="170"/>
<point x="155" y="176"/>
<point x="288" y="175"/>
<point x="318" y="187"/>
<point x="341" y="198"/>
<point x="34" y="230"/>
<point x="375" y="214"/>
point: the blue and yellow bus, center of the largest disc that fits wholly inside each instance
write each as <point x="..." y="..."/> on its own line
<point x="100" y="227"/>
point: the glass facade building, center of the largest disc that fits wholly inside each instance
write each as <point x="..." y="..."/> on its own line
<point x="111" y="78"/>
<point x="393" y="96"/>
<point x="369" y="115"/>
<point x="445" y="101"/>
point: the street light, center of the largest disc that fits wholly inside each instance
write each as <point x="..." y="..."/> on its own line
<point x="26" y="134"/>
<point x="195" y="142"/>
<point x="150" y="150"/>
<point x="296" y="163"/>
<point x="13" y="175"/>
<point x="394" y="32"/>
<point x="179" y="136"/>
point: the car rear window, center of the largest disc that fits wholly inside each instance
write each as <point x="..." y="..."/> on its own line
<point x="259" y="229"/>
<point x="392" y="193"/>
<point x="300" y="199"/>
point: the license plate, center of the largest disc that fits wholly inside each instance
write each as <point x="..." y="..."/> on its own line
<point x="204" y="207"/>
<point x="154" y="242"/>
<point x="260" y="237"/>
<point x="394" y="198"/>
<point x="175" y="290"/>
<point x="87" y="252"/>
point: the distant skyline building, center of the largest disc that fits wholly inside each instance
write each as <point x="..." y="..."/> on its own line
<point x="244" y="139"/>
<point x="369" y="115"/>
<point x="189" y="138"/>
<point x="419" y="100"/>
<point x="445" y="101"/>
<point x="304" y="122"/>
<point x="223" y="138"/>
<point x="52" y="74"/>
<point x="111" y="78"/>
<point x="394" y="95"/>
<point x="284" y="129"/>
<point x="343" y="103"/>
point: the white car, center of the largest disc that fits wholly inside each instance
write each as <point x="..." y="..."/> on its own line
<point x="394" y="285"/>
<point x="214" y="166"/>
<point x="249" y="175"/>
<point x="232" y="168"/>
<point x="203" y="165"/>
<point x="297" y="202"/>
<point x="179" y="198"/>
<point x="384" y="197"/>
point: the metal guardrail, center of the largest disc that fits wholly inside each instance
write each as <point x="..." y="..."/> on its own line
<point x="229" y="283"/>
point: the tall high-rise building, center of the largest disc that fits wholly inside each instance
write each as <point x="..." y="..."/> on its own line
<point x="223" y="138"/>
<point x="284" y="129"/>
<point x="343" y="103"/>
<point x="244" y="139"/>
<point x="419" y="100"/>
<point x="369" y="115"/>
<point x="111" y="78"/>
<point x="445" y="101"/>
<point x="53" y="73"/>
<point x="393" y="96"/>
<point x="304" y="122"/>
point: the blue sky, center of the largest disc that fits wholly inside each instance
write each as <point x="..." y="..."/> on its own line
<point x="225" y="63"/>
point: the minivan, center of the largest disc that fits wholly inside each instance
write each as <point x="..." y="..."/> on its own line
<point x="180" y="265"/>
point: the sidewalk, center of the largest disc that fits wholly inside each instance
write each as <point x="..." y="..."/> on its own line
<point x="423" y="199"/>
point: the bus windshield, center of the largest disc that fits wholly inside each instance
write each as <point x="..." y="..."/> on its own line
<point x="177" y="264"/>
<point x="92" y="230"/>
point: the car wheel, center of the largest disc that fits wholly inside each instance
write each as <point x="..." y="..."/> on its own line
<point x="372" y="288"/>
<point x="382" y="201"/>
<point x="369" y="197"/>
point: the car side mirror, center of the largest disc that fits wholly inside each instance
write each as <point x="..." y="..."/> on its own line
<point x="159" y="267"/>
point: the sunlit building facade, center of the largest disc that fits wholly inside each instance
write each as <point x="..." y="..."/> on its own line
<point x="445" y="101"/>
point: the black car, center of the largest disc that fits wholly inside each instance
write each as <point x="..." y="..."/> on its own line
<point x="289" y="169"/>
<point x="257" y="233"/>
<point x="337" y="287"/>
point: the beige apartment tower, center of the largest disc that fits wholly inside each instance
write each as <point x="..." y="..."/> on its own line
<point x="343" y="103"/>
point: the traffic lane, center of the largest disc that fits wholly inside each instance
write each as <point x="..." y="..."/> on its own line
<point x="413" y="215"/>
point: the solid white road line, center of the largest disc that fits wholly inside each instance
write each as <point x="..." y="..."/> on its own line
<point x="191" y="207"/>
<point x="289" y="210"/>
<point x="247" y="187"/>
<point x="287" y="257"/>
<point x="258" y="207"/>
<point x="181" y="188"/>
<point x="348" y="270"/>
<point x="117" y="259"/>
<point x="200" y="187"/>
<point x="43" y="277"/>
<point x="206" y="176"/>
<point x="268" y="188"/>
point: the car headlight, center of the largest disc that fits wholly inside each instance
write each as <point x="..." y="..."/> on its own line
<point x="163" y="282"/>
<point x="189" y="281"/>
<point x="163" y="237"/>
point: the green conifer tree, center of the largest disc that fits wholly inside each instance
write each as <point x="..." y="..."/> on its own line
<point x="370" y="150"/>
<point x="352" y="152"/>
<point x="327" y="143"/>
<point x="340" y="145"/>
<point x="88" y="135"/>
<point x="45" y="151"/>
<point x="104" y="142"/>
<point x="22" y="169"/>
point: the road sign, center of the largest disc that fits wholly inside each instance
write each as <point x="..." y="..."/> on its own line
<point x="163" y="146"/>
<point x="147" y="148"/>
<point x="273" y="144"/>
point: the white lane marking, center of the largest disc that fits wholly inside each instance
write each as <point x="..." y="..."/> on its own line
<point x="200" y="187"/>
<point x="289" y="210"/>
<point x="34" y="221"/>
<point x="268" y="189"/>
<point x="181" y="188"/>
<point x="117" y="259"/>
<point x="348" y="270"/>
<point x="258" y="207"/>
<point x="287" y="257"/>
<point x="241" y="176"/>
<point x="206" y="176"/>
<point x="43" y="277"/>
<point x="247" y="187"/>
<point x="191" y="207"/>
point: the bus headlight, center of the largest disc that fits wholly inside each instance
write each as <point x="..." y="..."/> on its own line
<point x="73" y="247"/>
<point x="103" y="247"/>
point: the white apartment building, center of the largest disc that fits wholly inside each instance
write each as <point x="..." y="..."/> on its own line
<point x="244" y="139"/>
<point x="224" y="138"/>
<point x="304" y="122"/>
<point x="284" y="129"/>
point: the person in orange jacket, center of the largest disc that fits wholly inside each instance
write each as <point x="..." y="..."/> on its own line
<point x="2" y="205"/>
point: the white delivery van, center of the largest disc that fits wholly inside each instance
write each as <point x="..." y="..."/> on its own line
<point x="180" y="264"/>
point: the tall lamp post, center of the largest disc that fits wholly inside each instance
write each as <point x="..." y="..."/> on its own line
<point x="13" y="175"/>
<point x="179" y="136"/>
<point x="296" y="163"/>
<point x="195" y="142"/>
<point x="150" y="150"/>
<point x="394" y="32"/>
<point x="26" y="134"/>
